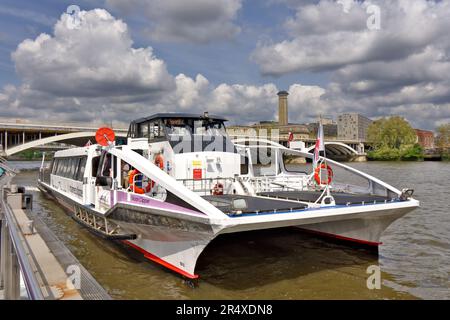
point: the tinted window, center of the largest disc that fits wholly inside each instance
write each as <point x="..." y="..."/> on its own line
<point x="95" y="163"/>
<point x="81" y="168"/>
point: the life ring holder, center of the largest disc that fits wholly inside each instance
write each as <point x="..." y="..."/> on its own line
<point x="159" y="161"/>
<point x="330" y="174"/>
<point x="135" y="188"/>
<point x="217" y="189"/>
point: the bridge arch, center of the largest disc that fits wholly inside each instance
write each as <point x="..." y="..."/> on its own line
<point x="337" y="149"/>
<point x="74" y="138"/>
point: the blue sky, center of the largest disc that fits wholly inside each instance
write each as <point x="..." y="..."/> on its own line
<point x="222" y="61"/>
<point x="323" y="52"/>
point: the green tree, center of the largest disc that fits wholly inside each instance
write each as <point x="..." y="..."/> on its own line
<point x="443" y="140"/>
<point x="393" y="139"/>
<point x="443" y="136"/>
<point x="392" y="133"/>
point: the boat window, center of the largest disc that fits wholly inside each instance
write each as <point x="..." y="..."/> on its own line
<point x="106" y="168"/>
<point x="74" y="168"/>
<point x="81" y="168"/>
<point x="66" y="167"/>
<point x="55" y="165"/>
<point x="155" y="130"/>
<point x="61" y="167"/>
<point x="95" y="163"/>
<point x="143" y="130"/>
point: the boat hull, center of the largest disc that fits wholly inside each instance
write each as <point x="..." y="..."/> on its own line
<point x="176" y="241"/>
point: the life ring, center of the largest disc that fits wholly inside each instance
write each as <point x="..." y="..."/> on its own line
<point x="159" y="161"/>
<point x="137" y="189"/>
<point x="218" y="189"/>
<point x="317" y="173"/>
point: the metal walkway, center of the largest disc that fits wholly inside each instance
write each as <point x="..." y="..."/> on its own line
<point x="31" y="250"/>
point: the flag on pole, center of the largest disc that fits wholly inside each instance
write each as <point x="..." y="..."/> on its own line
<point x="320" y="146"/>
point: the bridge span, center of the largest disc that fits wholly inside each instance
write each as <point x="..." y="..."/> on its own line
<point x="17" y="137"/>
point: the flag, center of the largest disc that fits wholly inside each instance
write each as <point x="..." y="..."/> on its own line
<point x="290" y="139"/>
<point x="320" y="146"/>
<point x="291" y="136"/>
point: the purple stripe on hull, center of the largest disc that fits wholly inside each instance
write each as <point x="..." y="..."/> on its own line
<point x="151" y="203"/>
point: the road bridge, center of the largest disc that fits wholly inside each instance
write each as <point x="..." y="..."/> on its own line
<point x="17" y="137"/>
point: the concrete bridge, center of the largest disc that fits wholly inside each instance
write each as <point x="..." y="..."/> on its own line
<point x="17" y="137"/>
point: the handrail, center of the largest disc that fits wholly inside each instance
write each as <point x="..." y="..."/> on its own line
<point x="277" y="146"/>
<point x="32" y="286"/>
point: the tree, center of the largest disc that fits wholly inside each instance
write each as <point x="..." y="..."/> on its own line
<point x="393" y="133"/>
<point x="443" y="136"/>
<point x="393" y="139"/>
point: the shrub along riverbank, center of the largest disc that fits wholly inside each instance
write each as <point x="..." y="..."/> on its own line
<point x="407" y="153"/>
<point x="393" y="139"/>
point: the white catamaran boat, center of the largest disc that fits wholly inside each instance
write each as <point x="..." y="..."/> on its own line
<point x="180" y="181"/>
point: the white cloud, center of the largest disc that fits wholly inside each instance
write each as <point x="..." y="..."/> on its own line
<point x="197" y="21"/>
<point x="96" y="59"/>
<point x="94" y="73"/>
<point x="324" y="37"/>
<point x="406" y="63"/>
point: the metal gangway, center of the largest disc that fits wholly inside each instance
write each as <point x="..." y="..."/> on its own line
<point x="30" y="251"/>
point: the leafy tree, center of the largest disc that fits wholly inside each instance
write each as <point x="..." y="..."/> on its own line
<point x="393" y="132"/>
<point x="443" y="136"/>
<point x="393" y="139"/>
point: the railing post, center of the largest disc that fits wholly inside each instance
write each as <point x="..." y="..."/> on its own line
<point x="9" y="266"/>
<point x="2" y="222"/>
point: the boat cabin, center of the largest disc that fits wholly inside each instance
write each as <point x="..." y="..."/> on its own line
<point x="191" y="146"/>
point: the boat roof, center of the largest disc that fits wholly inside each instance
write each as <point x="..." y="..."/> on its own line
<point x="178" y="115"/>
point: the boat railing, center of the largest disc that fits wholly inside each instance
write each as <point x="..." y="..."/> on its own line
<point x="209" y="186"/>
<point x="374" y="185"/>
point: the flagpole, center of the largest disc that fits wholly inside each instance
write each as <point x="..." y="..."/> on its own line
<point x="324" y="155"/>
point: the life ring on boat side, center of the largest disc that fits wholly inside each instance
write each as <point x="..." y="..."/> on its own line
<point x="317" y="173"/>
<point x="218" y="189"/>
<point x="135" y="188"/>
<point x="159" y="162"/>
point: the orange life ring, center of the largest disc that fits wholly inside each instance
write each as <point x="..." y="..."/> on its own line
<point x="159" y="161"/>
<point x="317" y="173"/>
<point x="218" y="189"/>
<point x="137" y="189"/>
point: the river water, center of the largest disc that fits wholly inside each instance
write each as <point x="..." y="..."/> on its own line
<point x="285" y="263"/>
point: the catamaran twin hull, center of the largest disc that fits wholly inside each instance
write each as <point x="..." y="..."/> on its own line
<point x="170" y="202"/>
<point x="175" y="236"/>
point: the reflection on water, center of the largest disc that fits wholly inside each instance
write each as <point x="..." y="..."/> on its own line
<point x="285" y="263"/>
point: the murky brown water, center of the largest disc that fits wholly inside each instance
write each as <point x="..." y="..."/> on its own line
<point x="285" y="263"/>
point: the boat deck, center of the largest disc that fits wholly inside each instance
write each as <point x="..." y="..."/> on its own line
<point x="339" y="197"/>
<point x="227" y="204"/>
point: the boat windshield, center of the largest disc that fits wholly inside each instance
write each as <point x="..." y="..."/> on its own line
<point x="189" y="127"/>
<point x="194" y="135"/>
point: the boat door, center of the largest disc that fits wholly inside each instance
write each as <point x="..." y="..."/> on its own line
<point x="106" y="174"/>
<point x="92" y="177"/>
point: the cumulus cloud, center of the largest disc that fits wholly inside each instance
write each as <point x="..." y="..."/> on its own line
<point x="375" y="72"/>
<point x="96" y="58"/>
<point x="324" y="36"/>
<point x="93" y="73"/>
<point x="197" y="21"/>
